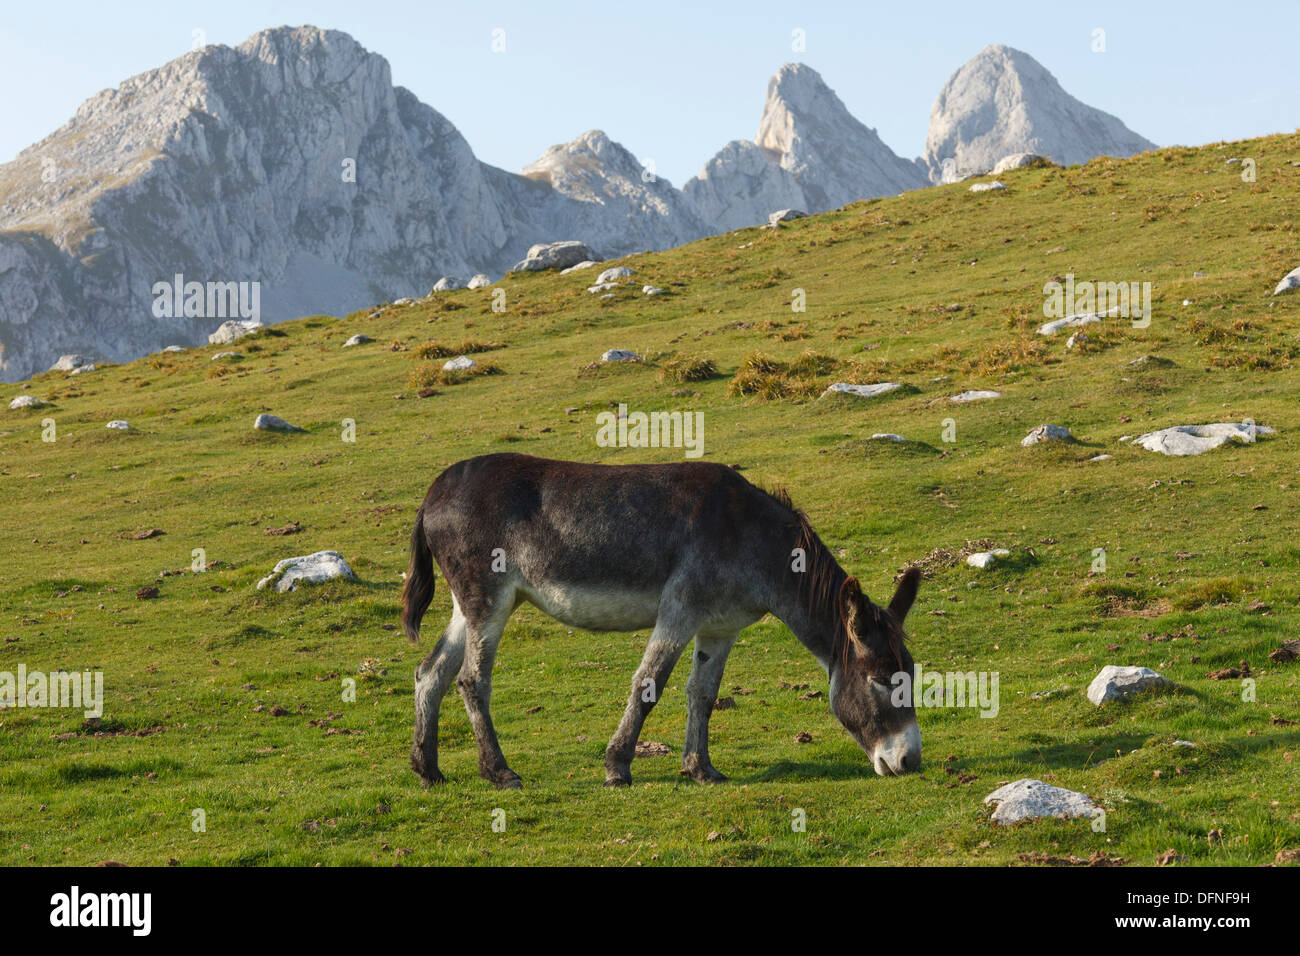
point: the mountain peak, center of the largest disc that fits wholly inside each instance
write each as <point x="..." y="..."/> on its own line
<point x="1003" y="101"/>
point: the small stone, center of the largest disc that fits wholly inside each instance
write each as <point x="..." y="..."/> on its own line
<point x="1042" y="433"/>
<point x="309" y="568"/>
<point x="613" y="275"/>
<point x="1029" y="799"/>
<point x="1116" y="682"/>
<point x="447" y="284"/>
<point x="118" y="425"/>
<point x="986" y="187"/>
<point x="651" y="290"/>
<point x="358" y="339"/>
<point x="975" y="395"/>
<point x="1197" y="439"/>
<point x="479" y="281"/>
<point x="227" y="332"/>
<point x="620" y="355"/>
<point x="274" y="423"/>
<point x="1289" y="281"/>
<point x="26" y="401"/>
<point x="461" y="363"/>
<point x="863" y="391"/>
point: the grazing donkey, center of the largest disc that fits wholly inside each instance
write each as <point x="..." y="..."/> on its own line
<point x="690" y="549"/>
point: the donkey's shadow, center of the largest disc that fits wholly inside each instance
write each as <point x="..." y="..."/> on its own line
<point x="794" y="771"/>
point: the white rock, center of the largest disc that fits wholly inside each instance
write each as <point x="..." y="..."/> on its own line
<point x="613" y="275"/>
<point x="981" y="559"/>
<point x="174" y="348"/>
<point x="81" y="369"/>
<point x="785" y="215"/>
<point x="309" y="568"/>
<point x="1196" y="439"/>
<point x="887" y="436"/>
<point x="651" y="290"/>
<point x="405" y="300"/>
<point x="67" y="363"/>
<point x="602" y="287"/>
<point x="460" y="363"/>
<point x="358" y="339"/>
<point x="1078" y="338"/>
<point x="986" y="187"/>
<point x="447" y="284"/>
<point x="1031" y="799"/>
<point x="227" y="332"/>
<point x="1116" y="682"/>
<point x="1183" y="743"/>
<point x="1070" y="321"/>
<point x="555" y="255"/>
<point x="975" y="395"/>
<point x="274" y="423"/>
<point x="118" y="425"/>
<point x="479" y="281"/>
<point x="1043" y="433"/>
<point x="608" y="295"/>
<point x="26" y="401"/>
<point x="585" y="264"/>
<point x="620" y="355"/>
<point x="222" y="355"/>
<point x="1289" y="281"/>
<point x="863" y="391"/>
<point x="1016" y="161"/>
<point x="1101" y="457"/>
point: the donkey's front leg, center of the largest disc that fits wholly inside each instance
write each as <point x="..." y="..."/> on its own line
<point x="701" y="692"/>
<point x="475" y="682"/>
<point x="661" y="652"/>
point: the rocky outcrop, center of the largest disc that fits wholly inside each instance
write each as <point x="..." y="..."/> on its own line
<point x="1004" y="102"/>
<point x="810" y="153"/>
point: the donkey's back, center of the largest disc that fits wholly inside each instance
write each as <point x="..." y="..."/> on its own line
<point x="592" y="545"/>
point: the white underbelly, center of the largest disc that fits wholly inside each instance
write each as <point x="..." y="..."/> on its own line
<point x="595" y="609"/>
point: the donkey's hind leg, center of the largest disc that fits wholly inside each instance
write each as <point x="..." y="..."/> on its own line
<point x="475" y="683"/>
<point x="701" y="692"/>
<point x="432" y="678"/>
<point x="671" y="634"/>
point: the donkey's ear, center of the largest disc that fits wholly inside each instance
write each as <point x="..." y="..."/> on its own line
<point x="906" y="593"/>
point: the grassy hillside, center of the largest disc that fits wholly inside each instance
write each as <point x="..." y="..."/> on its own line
<point x="941" y="290"/>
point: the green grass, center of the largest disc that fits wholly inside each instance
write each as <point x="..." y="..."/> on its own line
<point x="940" y="290"/>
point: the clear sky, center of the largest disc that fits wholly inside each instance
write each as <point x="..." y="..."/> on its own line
<point x="675" y="80"/>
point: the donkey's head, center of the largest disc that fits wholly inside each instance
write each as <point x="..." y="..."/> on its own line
<point x="867" y="694"/>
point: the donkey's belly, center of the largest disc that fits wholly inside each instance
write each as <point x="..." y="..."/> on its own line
<point x="595" y="609"/>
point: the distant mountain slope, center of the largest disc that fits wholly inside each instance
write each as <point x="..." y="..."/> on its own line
<point x="1003" y="101"/>
<point x="292" y="162"/>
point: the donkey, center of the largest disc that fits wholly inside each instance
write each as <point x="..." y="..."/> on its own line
<point x="689" y="549"/>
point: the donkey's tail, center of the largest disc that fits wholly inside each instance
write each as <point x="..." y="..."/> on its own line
<point x="418" y="591"/>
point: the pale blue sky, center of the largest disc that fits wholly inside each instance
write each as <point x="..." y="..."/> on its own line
<point x="673" y="81"/>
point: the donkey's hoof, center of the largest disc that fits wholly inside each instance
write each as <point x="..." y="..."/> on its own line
<point x="615" y="777"/>
<point x="504" y="779"/>
<point x="431" y="780"/>
<point x="706" y="775"/>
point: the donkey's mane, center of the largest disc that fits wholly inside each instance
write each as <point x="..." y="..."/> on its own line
<point x="818" y="589"/>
